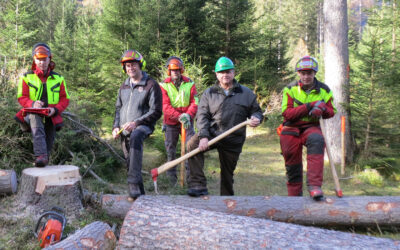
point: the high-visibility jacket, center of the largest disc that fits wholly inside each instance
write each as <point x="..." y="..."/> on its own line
<point x="296" y="103"/>
<point x="178" y="101"/>
<point x="30" y="89"/>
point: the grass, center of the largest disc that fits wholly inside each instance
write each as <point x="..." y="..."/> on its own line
<point x="260" y="171"/>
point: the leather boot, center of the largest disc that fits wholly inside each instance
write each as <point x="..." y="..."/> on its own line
<point x="41" y="161"/>
<point x="315" y="192"/>
<point x="134" y="190"/>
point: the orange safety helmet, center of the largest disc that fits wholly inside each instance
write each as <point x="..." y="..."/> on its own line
<point x="174" y="63"/>
<point x="132" y="55"/>
<point x="42" y="50"/>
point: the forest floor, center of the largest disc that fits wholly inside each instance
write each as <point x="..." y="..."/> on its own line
<point x="260" y="171"/>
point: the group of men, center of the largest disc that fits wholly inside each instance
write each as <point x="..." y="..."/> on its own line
<point x="141" y="101"/>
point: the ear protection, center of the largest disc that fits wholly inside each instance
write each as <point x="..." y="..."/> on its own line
<point x="174" y="63"/>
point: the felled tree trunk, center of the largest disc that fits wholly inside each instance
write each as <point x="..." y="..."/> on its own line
<point x="8" y="182"/>
<point x="97" y="235"/>
<point x="152" y="223"/>
<point x="359" y="211"/>
<point x="51" y="186"/>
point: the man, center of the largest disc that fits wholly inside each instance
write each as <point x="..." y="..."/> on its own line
<point x="222" y="106"/>
<point x="42" y="88"/>
<point x="304" y="102"/>
<point x="179" y="108"/>
<point x="138" y="107"/>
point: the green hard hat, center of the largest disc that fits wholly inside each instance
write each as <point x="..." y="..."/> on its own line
<point x="223" y="63"/>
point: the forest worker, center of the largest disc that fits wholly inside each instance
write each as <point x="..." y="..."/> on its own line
<point x="304" y="102"/>
<point x="222" y="106"/>
<point x="42" y="88"/>
<point x="137" y="109"/>
<point x="179" y="108"/>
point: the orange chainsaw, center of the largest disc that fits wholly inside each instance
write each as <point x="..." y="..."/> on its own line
<point x="50" y="231"/>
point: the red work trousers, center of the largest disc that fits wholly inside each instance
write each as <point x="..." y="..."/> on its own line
<point x="292" y="140"/>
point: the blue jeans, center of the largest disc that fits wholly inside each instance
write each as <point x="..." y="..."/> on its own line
<point x="132" y="145"/>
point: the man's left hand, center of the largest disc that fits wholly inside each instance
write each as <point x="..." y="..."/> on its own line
<point x="254" y="122"/>
<point x="129" y="126"/>
<point x="52" y="112"/>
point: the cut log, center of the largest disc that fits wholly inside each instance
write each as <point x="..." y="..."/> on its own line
<point x="8" y="182"/>
<point x="357" y="211"/>
<point x="152" y="223"/>
<point x="52" y="186"/>
<point x="96" y="235"/>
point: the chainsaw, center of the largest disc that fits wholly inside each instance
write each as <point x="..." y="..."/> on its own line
<point x="50" y="231"/>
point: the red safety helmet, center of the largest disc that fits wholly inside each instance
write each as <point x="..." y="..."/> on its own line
<point x="307" y="63"/>
<point x="132" y="55"/>
<point x="174" y="63"/>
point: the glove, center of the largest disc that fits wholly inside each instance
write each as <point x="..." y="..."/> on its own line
<point x="316" y="112"/>
<point x="185" y="120"/>
<point x="319" y="104"/>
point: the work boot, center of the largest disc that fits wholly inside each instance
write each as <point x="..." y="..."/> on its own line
<point x="197" y="191"/>
<point x="315" y="192"/>
<point x="134" y="190"/>
<point x="41" y="161"/>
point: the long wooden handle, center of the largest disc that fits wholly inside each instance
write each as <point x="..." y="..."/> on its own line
<point x="338" y="190"/>
<point x="183" y="143"/>
<point x="170" y="164"/>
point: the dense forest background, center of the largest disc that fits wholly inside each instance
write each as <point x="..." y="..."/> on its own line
<point x="263" y="37"/>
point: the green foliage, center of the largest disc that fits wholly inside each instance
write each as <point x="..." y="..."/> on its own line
<point x="371" y="176"/>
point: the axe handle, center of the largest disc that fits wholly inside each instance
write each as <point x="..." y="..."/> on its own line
<point x="328" y="151"/>
<point x="170" y="164"/>
<point x="183" y="144"/>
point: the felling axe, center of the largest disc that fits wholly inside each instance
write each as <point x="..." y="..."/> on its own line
<point x="338" y="191"/>
<point x="161" y="169"/>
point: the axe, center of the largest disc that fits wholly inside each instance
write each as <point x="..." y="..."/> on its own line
<point x="338" y="191"/>
<point x="161" y="169"/>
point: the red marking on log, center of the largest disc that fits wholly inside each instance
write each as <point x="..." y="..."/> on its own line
<point x="206" y="198"/>
<point x="272" y="212"/>
<point x="264" y="244"/>
<point x="251" y="212"/>
<point x="307" y="211"/>
<point x="88" y="242"/>
<point x="230" y="204"/>
<point x="267" y="197"/>
<point x="2" y="173"/>
<point x="396" y="243"/>
<point x="330" y="201"/>
<point x="354" y="215"/>
<point x="384" y="206"/>
<point x="109" y="235"/>
<point x="334" y="212"/>
<point x="106" y="199"/>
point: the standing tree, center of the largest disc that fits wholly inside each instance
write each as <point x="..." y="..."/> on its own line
<point x="336" y="59"/>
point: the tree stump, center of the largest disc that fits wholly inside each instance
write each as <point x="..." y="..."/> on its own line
<point x="349" y="211"/>
<point x="44" y="188"/>
<point x="8" y="182"/>
<point x="155" y="224"/>
<point x="96" y="235"/>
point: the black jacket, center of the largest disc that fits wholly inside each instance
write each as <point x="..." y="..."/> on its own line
<point x="141" y="104"/>
<point x="218" y="112"/>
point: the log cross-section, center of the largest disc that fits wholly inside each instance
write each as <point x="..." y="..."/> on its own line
<point x="8" y="182"/>
<point x="152" y="223"/>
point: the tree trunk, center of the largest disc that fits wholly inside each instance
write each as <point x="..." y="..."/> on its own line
<point x="153" y="223"/>
<point x="8" y="182"/>
<point x="96" y="235"/>
<point x="356" y="211"/>
<point x="336" y="58"/>
<point x="43" y="188"/>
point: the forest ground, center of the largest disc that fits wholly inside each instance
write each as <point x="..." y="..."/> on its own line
<point x="260" y="171"/>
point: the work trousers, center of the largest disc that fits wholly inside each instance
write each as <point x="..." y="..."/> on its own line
<point x="292" y="140"/>
<point x="227" y="158"/>
<point x="132" y="146"/>
<point x="172" y="133"/>
<point x="43" y="134"/>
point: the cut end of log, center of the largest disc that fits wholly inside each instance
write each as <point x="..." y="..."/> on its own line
<point x="55" y="175"/>
<point x="8" y="182"/>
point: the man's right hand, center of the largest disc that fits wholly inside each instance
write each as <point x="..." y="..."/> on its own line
<point x="203" y="144"/>
<point x="115" y="133"/>
<point x="38" y="104"/>
<point x="319" y="104"/>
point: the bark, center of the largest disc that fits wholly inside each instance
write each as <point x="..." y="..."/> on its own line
<point x="336" y="59"/>
<point x="154" y="224"/>
<point x="97" y="235"/>
<point x="44" y="188"/>
<point x="357" y="211"/>
<point x="8" y="182"/>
